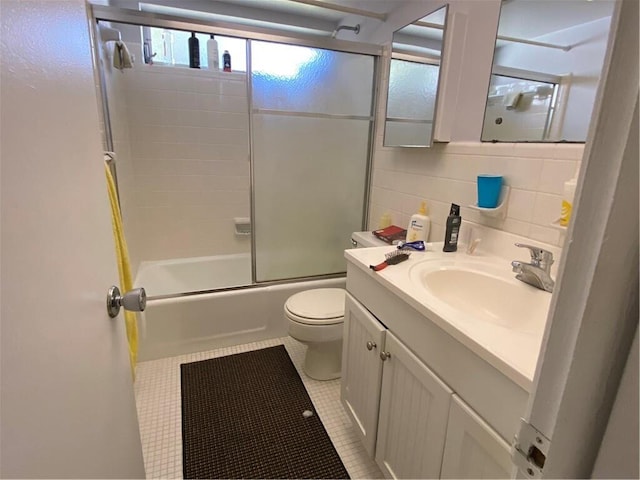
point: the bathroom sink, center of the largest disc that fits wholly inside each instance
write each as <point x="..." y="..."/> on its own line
<point x="483" y="291"/>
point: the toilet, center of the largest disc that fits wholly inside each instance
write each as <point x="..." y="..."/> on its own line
<point x="316" y="319"/>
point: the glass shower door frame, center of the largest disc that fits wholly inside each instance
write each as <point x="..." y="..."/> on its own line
<point x="146" y="19"/>
<point x="376" y="81"/>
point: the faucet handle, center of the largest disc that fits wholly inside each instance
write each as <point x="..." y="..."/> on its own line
<point x="539" y="256"/>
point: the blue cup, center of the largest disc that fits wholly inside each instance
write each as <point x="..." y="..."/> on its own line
<point x="489" y="187"/>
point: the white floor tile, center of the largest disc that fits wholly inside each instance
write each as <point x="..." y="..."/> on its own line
<point x="157" y="390"/>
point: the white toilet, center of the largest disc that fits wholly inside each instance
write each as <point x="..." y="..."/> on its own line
<point x="316" y="318"/>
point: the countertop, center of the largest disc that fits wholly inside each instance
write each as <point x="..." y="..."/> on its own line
<point x="512" y="352"/>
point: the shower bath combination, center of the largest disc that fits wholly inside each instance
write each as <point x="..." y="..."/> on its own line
<point x="208" y="237"/>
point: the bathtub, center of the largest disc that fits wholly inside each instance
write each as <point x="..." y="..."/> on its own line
<point x="195" y="323"/>
<point x="195" y="274"/>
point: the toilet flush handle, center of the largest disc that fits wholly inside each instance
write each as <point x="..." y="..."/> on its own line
<point x="371" y="345"/>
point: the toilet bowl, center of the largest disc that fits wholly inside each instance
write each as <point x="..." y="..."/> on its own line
<point x="316" y="318"/>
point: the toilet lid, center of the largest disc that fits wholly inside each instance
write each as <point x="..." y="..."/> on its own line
<point x="318" y="304"/>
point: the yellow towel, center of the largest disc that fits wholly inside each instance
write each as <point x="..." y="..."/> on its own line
<point x="124" y="268"/>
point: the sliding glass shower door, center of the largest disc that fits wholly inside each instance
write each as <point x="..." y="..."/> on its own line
<point x="311" y="118"/>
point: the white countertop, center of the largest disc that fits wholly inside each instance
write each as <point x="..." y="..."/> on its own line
<point x="511" y="351"/>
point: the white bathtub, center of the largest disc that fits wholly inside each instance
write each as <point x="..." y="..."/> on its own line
<point x="195" y="274"/>
<point x="195" y="323"/>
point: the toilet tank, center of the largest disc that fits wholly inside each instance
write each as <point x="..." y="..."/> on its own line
<point x="366" y="239"/>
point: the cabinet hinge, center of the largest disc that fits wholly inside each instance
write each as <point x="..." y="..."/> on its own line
<point x="529" y="450"/>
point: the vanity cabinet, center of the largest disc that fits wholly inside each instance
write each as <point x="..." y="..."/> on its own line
<point x="412" y="423"/>
<point x="362" y="342"/>
<point x="409" y="419"/>
<point x="473" y="449"/>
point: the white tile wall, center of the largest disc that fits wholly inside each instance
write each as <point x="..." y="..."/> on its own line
<point x="184" y="134"/>
<point x="446" y="173"/>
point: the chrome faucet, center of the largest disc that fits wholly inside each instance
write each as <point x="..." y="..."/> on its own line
<point x="538" y="272"/>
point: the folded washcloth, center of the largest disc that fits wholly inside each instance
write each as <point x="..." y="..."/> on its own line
<point x="511" y="100"/>
<point x="121" y="57"/>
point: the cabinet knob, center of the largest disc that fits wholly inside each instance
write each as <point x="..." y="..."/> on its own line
<point x="384" y="356"/>
<point x="371" y="345"/>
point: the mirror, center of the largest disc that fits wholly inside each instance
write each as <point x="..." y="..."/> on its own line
<point x="413" y="81"/>
<point x="547" y="65"/>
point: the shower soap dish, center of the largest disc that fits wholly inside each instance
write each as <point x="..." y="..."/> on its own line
<point x="243" y="226"/>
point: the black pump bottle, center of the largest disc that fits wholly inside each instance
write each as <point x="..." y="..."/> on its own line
<point x="453" y="229"/>
<point x="194" y="51"/>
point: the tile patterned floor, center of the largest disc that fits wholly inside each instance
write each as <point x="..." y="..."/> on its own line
<point x="157" y="390"/>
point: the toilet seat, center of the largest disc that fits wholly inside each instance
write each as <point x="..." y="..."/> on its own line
<point x="321" y="306"/>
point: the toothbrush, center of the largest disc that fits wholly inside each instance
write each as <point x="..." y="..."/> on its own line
<point x="418" y="245"/>
<point x="391" y="258"/>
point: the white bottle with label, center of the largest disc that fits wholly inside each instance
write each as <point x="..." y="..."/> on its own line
<point x="419" y="225"/>
<point x="213" y="58"/>
<point x="567" y="201"/>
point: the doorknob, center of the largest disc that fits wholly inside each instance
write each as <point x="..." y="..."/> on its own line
<point x="134" y="300"/>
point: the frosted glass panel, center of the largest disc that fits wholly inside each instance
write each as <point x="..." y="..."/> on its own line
<point x="310" y="176"/>
<point x="303" y="79"/>
<point x="406" y="133"/>
<point x="412" y="90"/>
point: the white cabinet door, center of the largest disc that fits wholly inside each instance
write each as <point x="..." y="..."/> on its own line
<point x="414" y="406"/>
<point x="473" y="448"/>
<point x="363" y="341"/>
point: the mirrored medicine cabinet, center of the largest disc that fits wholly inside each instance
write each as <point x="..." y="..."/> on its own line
<point x="547" y="64"/>
<point x="414" y="78"/>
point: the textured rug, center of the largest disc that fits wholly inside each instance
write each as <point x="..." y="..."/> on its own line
<point x="242" y="417"/>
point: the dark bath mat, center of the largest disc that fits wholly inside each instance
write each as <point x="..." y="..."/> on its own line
<point x="242" y="417"/>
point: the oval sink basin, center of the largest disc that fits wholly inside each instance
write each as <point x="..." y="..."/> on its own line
<point x="484" y="292"/>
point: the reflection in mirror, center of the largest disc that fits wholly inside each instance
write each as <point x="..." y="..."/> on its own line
<point x="413" y="81"/>
<point x="547" y="64"/>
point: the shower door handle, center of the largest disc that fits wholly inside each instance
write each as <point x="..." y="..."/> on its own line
<point x="134" y="300"/>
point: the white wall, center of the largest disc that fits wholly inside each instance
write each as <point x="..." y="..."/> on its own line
<point x="446" y="173"/>
<point x="525" y="122"/>
<point x="181" y="136"/>
<point x="584" y="62"/>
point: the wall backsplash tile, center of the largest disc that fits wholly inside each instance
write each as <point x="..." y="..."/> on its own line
<point x="446" y="173"/>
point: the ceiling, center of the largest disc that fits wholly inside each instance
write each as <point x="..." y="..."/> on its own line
<point x="533" y="18"/>
<point x="519" y="18"/>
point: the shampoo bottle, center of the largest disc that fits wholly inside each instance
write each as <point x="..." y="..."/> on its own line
<point x="213" y="59"/>
<point x="385" y="220"/>
<point x="419" y="224"/>
<point x="567" y="201"/>
<point x="453" y="229"/>
<point x="194" y="51"/>
<point x="226" y="61"/>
